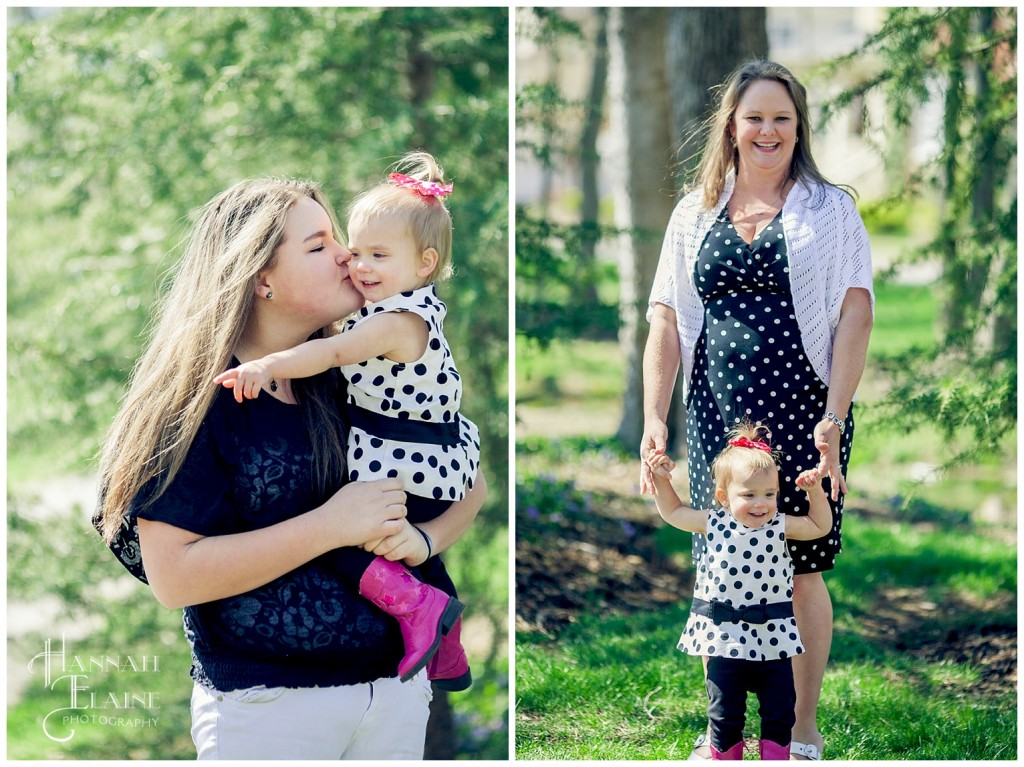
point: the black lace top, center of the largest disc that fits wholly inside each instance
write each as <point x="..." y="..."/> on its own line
<point x="250" y="467"/>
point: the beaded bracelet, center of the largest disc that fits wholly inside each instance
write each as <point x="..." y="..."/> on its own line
<point x="426" y="539"/>
<point x="831" y="416"/>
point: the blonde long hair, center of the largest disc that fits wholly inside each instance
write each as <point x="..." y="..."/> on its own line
<point x="430" y="223"/>
<point x="719" y="155"/>
<point x="195" y="328"/>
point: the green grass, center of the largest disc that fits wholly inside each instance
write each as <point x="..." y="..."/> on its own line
<point x="579" y="371"/>
<point x="615" y="688"/>
<point x="904" y="317"/>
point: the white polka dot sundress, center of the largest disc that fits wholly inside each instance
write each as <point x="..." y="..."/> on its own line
<point x="750" y="363"/>
<point x="405" y="419"/>
<point x="743" y="566"/>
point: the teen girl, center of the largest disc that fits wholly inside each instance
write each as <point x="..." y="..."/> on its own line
<point x="404" y="394"/>
<point x="742" y="619"/>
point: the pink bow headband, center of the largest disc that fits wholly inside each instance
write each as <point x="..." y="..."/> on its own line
<point x="744" y="442"/>
<point x="422" y="188"/>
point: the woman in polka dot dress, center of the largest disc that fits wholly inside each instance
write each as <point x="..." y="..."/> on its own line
<point x="404" y="395"/>
<point x="742" y="619"/>
<point x="763" y="297"/>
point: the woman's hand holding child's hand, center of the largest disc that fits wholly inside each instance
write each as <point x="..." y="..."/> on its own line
<point x="809" y="480"/>
<point x="660" y="464"/>
<point x="247" y="379"/>
<point x="407" y="545"/>
<point x="653" y="443"/>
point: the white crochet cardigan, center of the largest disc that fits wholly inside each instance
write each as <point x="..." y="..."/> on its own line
<point x="828" y="252"/>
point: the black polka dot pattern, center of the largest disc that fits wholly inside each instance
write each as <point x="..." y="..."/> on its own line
<point x="428" y="392"/>
<point x="750" y="363"/>
<point x="743" y="566"/>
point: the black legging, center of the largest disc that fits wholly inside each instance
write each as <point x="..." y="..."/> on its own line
<point x="730" y="679"/>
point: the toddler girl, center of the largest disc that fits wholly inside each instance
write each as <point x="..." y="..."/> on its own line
<point x="404" y="393"/>
<point x="742" y="614"/>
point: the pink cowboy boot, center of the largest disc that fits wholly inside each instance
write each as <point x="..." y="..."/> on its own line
<point x="772" y="751"/>
<point x="423" y="613"/>
<point x="449" y="669"/>
<point x="731" y="754"/>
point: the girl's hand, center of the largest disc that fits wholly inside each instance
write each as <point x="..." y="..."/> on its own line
<point x="247" y="379"/>
<point x="826" y="440"/>
<point x="652" y="445"/>
<point x="809" y="479"/>
<point x="364" y="511"/>
<point x="407" y="545"/>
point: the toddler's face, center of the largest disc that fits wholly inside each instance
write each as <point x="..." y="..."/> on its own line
<point x="751" y="497"/>
<point x="385" y="260"/>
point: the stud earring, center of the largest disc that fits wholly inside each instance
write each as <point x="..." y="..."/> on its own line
<point x="270" y="294"/>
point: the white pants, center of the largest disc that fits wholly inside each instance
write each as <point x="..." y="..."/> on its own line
<point x="385" y="719"/>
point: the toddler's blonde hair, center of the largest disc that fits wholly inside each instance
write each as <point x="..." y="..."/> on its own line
<point x="430" y="223"/>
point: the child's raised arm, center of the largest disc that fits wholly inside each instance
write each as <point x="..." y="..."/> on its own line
<point x="818" y="521"/>
<point x="670" y="507"/>
<point x="398" y="336"/>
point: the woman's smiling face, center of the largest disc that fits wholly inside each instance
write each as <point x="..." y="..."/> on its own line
<point x="765" y="127"/>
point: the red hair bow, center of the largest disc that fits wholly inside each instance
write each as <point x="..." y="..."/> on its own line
<point x="744" y="442"/>
<point x="422" y="188"/>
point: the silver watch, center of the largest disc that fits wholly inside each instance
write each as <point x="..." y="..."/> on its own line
<point x="831" y="416"/>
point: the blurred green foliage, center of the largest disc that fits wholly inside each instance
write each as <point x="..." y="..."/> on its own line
<point x="561" y="292"/>
<point x="123" y="121"/>
<point x="962" y="61"/>
<point x="554" y="284"/>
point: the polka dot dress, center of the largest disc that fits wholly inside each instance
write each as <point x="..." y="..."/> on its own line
<point x="743" y="566"/>
<point x="749" y="363"/>
<point x="405" y="419"/>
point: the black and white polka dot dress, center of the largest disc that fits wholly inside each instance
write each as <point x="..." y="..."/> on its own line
<point x="405" y="419"/>
<point x="749" y="363"/>
<point x="743" y="566"/>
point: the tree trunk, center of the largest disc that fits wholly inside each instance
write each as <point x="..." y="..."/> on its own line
<point x="704" y="46"/>
<point x="440" y="744"/>
<point x="656" y="54"/>
<point x="997" y="332"/>
<point x="421" y="88"/>
<point x="589" y="161"/>
<point x="638" y="93"/>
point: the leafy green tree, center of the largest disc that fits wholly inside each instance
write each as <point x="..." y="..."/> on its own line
<point x="965" y="383"/>
<point x="122" y="121"/>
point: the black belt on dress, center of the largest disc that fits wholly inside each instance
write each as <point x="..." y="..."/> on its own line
<point x="723" y="612"/>
<point x="404" y="429"/>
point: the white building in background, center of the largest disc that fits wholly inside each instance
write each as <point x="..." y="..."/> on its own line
<point x="799" y="38"/>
